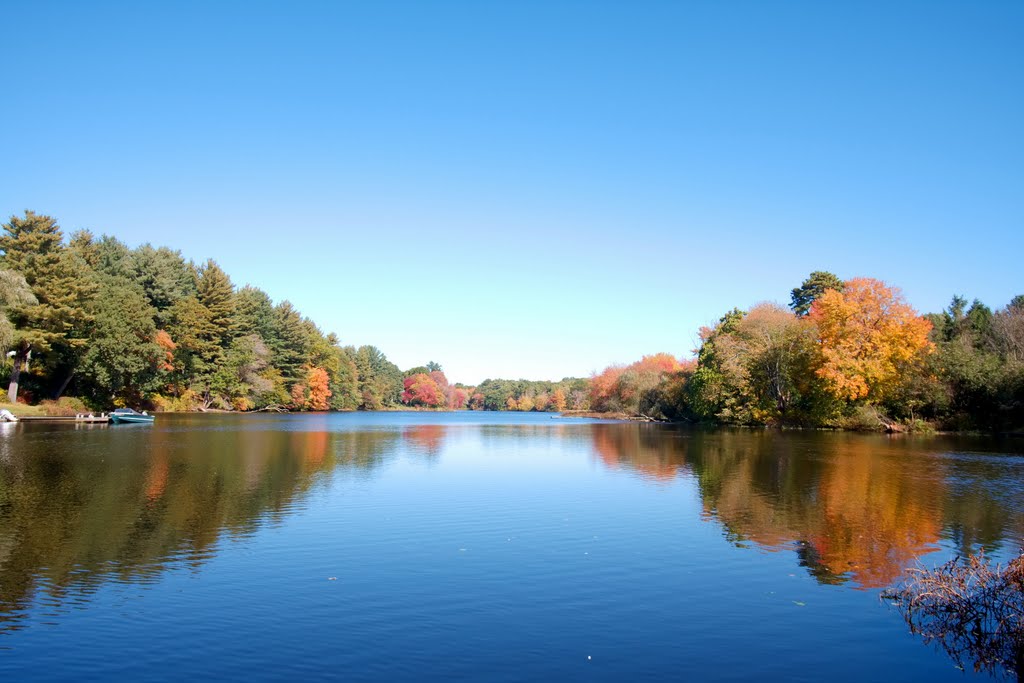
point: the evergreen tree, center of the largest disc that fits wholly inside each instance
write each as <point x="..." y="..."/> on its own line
<point x="59" y="281"/>
<point x="165" y="277"/>
<point x="254" y="313"/>
<point x="14" y="292"/>
<point x="217" y="294"/>
<point x="122" y="360"/>
<point x="816" y="284"/>
<point x="198" y="354"/>
<point x="290" y="344"/>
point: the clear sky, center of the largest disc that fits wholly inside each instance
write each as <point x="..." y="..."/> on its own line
<point x="530" y="189"/>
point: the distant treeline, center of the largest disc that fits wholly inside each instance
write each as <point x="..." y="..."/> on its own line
<point x="849" y="354"/>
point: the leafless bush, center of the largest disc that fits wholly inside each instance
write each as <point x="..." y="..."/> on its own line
<point x="973" y="609"/>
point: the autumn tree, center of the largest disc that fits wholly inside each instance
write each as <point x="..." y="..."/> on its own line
<point x="317" y="382"/>
<point x="558" y="400"/>
<point x="422" y="390"/>
<point x="541" y="402"/>
<point x="603" y="385"/>
<point x="457" y="398"/>
<point x="526" y="402"/>
<point x="867" y="337"/>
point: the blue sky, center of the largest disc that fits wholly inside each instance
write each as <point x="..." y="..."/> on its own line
<point x="530" y="189"/>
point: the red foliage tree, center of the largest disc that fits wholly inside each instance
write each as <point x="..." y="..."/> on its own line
<point x="457" y="398"/>
<point x="422" y="390"/>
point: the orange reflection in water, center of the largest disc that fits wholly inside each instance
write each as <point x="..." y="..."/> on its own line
<point x="653" y="456"/>
<point x="858" y="508"/>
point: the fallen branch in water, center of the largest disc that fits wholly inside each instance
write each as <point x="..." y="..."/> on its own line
<point x="973" y="609"/>
<point x="272" y="409"/>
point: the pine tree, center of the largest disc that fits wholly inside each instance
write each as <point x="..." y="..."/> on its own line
<point x="217" y="294"/>
<point x="62" y="285"/>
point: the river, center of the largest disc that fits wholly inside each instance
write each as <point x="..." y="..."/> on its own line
<point x="497" y="546"/>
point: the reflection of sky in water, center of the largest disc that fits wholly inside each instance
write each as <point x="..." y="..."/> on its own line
<point x="481" y="534"/>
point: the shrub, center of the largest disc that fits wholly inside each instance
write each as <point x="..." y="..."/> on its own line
<point x="863" y="419"/>
<point x="65" y="406"/>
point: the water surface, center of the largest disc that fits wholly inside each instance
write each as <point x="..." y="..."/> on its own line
<point x="498" y="546"/>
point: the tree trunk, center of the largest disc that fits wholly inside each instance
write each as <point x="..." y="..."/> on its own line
<point x="19" y="360"/>
<point x="64" y="385"/>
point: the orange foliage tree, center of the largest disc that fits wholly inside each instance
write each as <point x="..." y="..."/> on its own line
<point x="868" y="336"/>
<point x="603" y="395"/>
<point x="632" y="388"/>
<point x="317" y="382"/>
<point x="164" y="341"/>
<point x="558" y="400"/>
<point x="298" y="395"/>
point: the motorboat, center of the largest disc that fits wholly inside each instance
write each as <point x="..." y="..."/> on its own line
<point x="129" y="416"/>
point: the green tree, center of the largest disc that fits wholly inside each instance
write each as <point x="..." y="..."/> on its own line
<point x="122" y="362"/>
<point x="215" y="291"/>
<point x="106" y="255"/>
<point x="60" y="282"/>
<point x="165" y="277"/>
<point x="14" y="292"/>
<point x="380" y="380"/>
<point x="816" y="284"/>
<point x="197" y="355"/>
<point x="344" y="381"/>
<point x="291" y="343"/>
<point x="254" y="313"/>
<point x="245" y="378"/>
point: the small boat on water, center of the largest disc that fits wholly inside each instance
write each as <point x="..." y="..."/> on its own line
<point x="129" y="416"/>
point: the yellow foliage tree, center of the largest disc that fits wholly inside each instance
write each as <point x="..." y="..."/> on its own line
<point x="868" y="336"/>
<point x="558" y="399"/>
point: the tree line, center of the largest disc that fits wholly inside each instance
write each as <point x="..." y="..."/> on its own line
<point x="89" y="317"/>
<point x="847" y="354"/>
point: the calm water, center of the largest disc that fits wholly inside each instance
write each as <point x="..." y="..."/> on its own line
<point x="495" y="546"/>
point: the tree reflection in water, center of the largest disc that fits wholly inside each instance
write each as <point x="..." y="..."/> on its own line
<point x="855" y="508"/>
<point x="127" y="508"/>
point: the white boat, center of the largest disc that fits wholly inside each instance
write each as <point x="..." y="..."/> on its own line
<point x="129" y="416"/>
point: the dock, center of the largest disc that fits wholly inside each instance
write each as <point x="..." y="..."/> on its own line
<point x="87" y="418"/>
